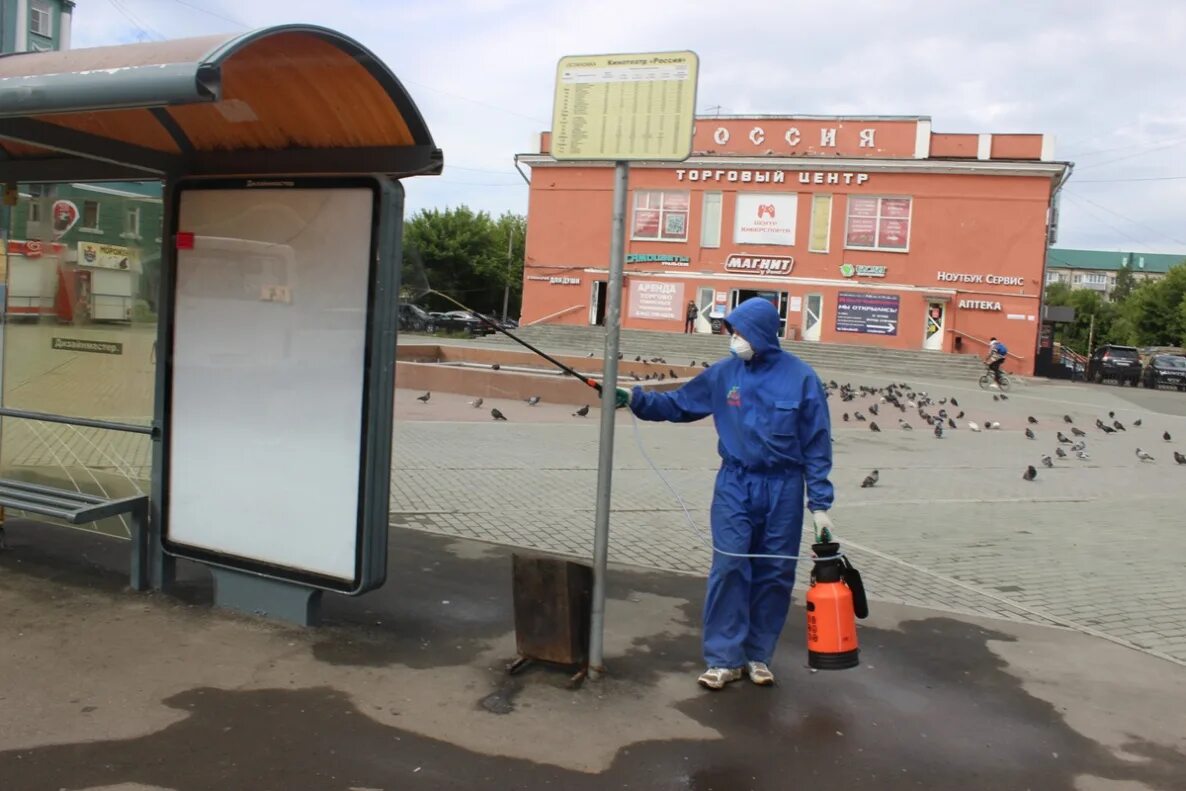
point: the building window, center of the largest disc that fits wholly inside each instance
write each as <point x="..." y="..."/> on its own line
<point x="661" y="216"/>
<point x="132" y="222"/>
<point x="710" y="222"/>
<point x="1095" y="280"/>
<point x="41" y="20"/>
<point x="90" y="215"/>
<point x="36" y="193"/>
<point x="821" y="223"/>
<point x="1078" y="279"/>
<point x="878" y="223"/>
<point x="1053" y="277"/>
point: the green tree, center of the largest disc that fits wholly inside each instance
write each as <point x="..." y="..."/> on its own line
<point x="1154" y="313"/>
<point x="1125" y="282"/>
<point x="463" y="253"/>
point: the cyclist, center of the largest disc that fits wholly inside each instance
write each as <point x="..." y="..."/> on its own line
<point x="995" y="359"/>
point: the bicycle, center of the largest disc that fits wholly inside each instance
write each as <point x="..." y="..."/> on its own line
<point x="986" y="380"/>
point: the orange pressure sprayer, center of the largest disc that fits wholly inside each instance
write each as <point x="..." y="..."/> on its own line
<point x="834" y="602"/>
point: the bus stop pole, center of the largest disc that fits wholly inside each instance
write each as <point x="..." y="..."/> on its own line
<point x="605" y="457"/>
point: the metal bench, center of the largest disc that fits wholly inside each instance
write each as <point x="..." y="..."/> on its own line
<point x="78" y="508"/>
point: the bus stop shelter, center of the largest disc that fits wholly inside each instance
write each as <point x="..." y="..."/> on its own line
<point x="268" y="108"/>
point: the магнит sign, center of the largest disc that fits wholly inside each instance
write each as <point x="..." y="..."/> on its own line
<point x="760" y="264"/>
<point x="868" y="314"/>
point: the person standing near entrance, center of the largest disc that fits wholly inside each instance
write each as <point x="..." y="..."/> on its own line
<point x="775" y="442"/>
<point x="691" y="315"/>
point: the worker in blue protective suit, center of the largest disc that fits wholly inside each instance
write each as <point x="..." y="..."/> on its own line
<point x="774" y="439"/>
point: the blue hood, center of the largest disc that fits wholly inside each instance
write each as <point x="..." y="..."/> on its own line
<point x="757" y="321"/>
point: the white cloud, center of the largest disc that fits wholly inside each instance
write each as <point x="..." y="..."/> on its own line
<point x="1105" y="78"/>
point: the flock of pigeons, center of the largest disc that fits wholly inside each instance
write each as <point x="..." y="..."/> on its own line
<point x="899" y="396"/>
<point x="497" y="414"/>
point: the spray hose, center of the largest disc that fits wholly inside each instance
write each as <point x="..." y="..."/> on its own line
<point x="703" y="535"/>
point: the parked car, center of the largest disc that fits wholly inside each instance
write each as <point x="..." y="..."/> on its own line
<point x="462" y="321"/>
<point x="1122" y="363"/>
<point x="412" y="318"/>
<point x="1165" y="370"/>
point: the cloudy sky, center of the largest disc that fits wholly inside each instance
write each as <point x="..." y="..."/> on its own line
<point x="1107" y="79"/>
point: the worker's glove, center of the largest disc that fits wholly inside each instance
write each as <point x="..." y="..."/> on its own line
<point x="621" y="398"/>
<point x="824" y="529"/>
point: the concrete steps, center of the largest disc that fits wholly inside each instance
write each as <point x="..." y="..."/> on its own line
<point x="680" y="349"/>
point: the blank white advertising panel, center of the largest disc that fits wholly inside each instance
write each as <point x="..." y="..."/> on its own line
<point x="265" y="439"/>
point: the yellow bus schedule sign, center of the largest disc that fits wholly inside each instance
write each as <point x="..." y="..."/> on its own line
<point x="625" y="107"/>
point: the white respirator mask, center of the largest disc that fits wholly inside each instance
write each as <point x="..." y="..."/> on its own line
<point x="740" y="347"/>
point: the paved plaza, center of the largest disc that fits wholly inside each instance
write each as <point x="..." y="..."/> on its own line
<point x="1092" y="545"/>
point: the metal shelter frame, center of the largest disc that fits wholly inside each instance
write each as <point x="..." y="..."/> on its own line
<point x="285" y="101"/>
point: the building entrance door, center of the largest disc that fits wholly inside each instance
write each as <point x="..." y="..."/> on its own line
<point x="776" y="298"/>
<point x="813" y="309"/>
<point x="597" y="300"/>
<point x="936" y="315"/>
<point x="704" y="297"/>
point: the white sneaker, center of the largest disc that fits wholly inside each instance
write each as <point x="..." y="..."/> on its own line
<point x="759" y="673"/>
<point x="718" y="677"/>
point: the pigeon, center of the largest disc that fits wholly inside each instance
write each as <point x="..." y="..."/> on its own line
<point x="638" y="359"/>
<point x="1111" y="416"/>
<point x="950" y="423"/>
<point x="1004" y="397"/>
<point x="494" y="413"/>
<point x="424" y="398"/>
<point x="703" y="365"/>
<point x="845" y="416"/>
<point x="974" y="427"/>
<point x="1107" y="429"/>
<point x="590" y="356"/>
<point x="692" y="364"/>
<point x="860" y="418"/>
<point x="1029" y="434"/>
<point x="873" y="409"/>
<point x="904" y="425"/>
<point x="1166" y="436"/>
<point x="1078" y="447"/>
<point x="1178" y="457"/>
<point x="992" y="424"/>
<point x="996" y="398"/>
<point x="1047" y="461"/>
<point x="1143" y="456"/>
<point x="1116" y="424"/>
<point x="1062" y="454"/>
<point x="582" y="411"/>
<point x="1078" y="432"/>
<point x="1033" y="421"/>
<point x="1082" y="455"/>
<point x="533" y="401"/>
<point x="636" y="377"/>
<point x="673" y="374"/>
<point x="495" y="367"/>
<point x="874" y="427"/>
<point x="1137" y="422"/>
<point x="1029" y="474"/>
<point x="960" y="416"/>
<point x="476" y="403"/>
<point x="954" y="402"/>
<point x="870" y="480"/>
<point x="938" y="431"/>
<point x="1064" y="439"/>
<point x="1067" y="419"/>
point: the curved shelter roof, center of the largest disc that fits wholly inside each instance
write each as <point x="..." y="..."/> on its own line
<point x="292" y="99"/>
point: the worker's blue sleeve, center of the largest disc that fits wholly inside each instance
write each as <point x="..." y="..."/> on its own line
<point x="816" y="431"/>
<point x="691" y="402"/>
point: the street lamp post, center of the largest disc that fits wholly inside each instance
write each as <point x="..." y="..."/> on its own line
<point x="506" y="291"/>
